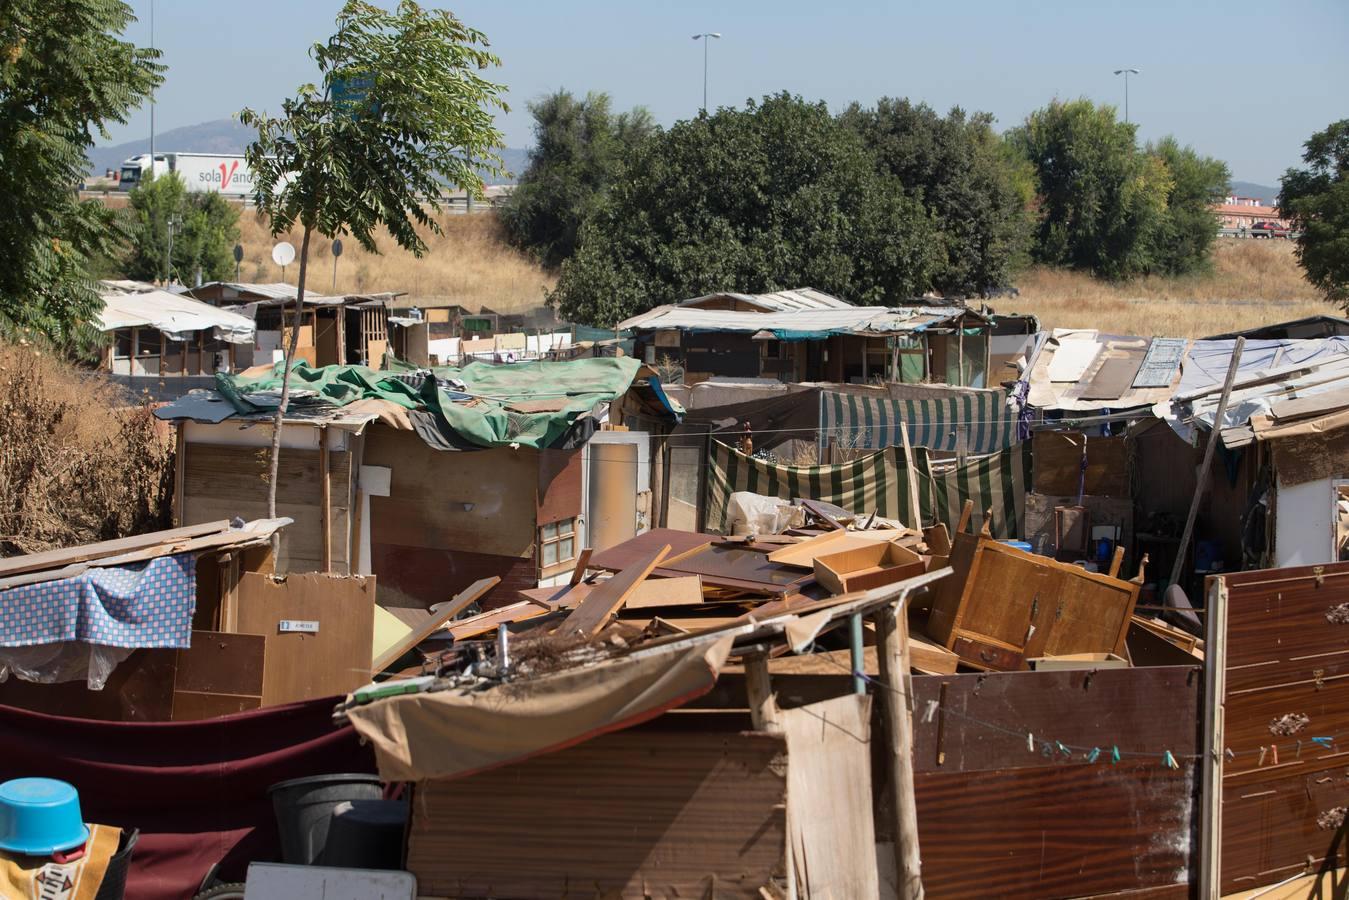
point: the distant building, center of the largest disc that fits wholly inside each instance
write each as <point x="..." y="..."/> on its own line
<point x="1246" y="212"/>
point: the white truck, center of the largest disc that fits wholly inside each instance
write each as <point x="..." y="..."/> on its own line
<point x="202" y="172"/>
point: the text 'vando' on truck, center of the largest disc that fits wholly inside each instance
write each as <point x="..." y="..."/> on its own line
<point x="202" y="172"/>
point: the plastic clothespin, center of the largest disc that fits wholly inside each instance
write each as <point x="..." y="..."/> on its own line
<point x="1322" y="742"/>
<point x="1263" y="750"/>
<point x="1030" y="742"/>
<point x="1114" y="755"/>
<point x="1095" y="752"/>
<point x="1298" y="752"/>
<point x="1169" y="761"/>
<point x="1274" y="754"/>
<point x="1229" y="754"/>
<point x="1046" y="749"/>
<point x="931" y="711"/>
<point x="1064" y="750"/>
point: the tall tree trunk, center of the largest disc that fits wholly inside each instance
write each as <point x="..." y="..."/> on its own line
<point x="287" y="360"/>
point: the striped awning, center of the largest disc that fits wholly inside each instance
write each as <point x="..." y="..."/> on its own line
<point x="937" y="418"/>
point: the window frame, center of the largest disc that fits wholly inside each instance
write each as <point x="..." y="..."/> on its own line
<point x="571" y="532"/>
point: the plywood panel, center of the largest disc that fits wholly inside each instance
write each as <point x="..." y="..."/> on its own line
<point x="559" y="485"/>
<point x="302" y="666"/>
<point x="997" y="821"/>
<point x="222" y="482"/>
<point x="429" y="489"/>
<point x="420" y="577"/>
<point x="643" y="813"/>
<point x="1058" y="464"/>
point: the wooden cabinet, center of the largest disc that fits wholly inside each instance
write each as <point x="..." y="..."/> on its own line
<point x="1002" y="606"/>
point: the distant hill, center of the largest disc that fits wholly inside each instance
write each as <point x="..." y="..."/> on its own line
<point x="228" y="136"/>
<point x="1258" y="191"/>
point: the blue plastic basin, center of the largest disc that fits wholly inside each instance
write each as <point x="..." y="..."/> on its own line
<point x="1020" y="545"/>
<point x="40" y="816"/>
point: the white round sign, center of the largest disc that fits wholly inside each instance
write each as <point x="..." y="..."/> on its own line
<point x="283" y="254"/>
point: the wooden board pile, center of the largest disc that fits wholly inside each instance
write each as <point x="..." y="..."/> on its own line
<point x="1002" y="608"/>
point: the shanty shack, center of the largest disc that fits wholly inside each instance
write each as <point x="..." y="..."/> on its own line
<point x="430" y="482"/>
<point x="807" y="335"/>
<point x="169" y="342"/>
<point x="349" y="328"/>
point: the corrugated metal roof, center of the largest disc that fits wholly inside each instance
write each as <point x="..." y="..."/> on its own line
<point x="778" y="301"/>
<point x="173" y="314"/>
<point x="876" y="320"/>
<point x="1068" y="396"/>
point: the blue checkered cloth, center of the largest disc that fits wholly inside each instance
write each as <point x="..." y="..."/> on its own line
<point x="140" y="605"/>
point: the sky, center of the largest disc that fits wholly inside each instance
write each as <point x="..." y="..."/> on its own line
<point x="1247" y="82"/>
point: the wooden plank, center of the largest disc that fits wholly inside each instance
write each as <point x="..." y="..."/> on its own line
<point x="925" y="657"/>
<point x="303" y="666"/>
<point x="599" y="606"/>
<point x="681" y="544"/>
<point x="442" y="614"/>
<point x="221" y="663"/>
<point x="687" y="590"/>
<point x="487" y="622"/>
<point x="55" y="559"/>
<point x="804" y="553"/>
<point x="582" y="563"/>
<point x="699" y="811"/>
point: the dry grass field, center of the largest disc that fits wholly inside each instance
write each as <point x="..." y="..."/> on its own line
<point x="1251" y="282"/>
<point x="471" y="264"/>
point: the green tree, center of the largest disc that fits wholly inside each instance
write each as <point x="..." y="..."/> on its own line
<point x="400" y="111"/>
<point x="579" y="150"/>
<point x="1101" y="201"/>
<point x="204" y="229"/>
<point x="64" y="77"/>
<point x="1317" y="200"/>
<point x="777" y="195"/>
<point x="1189" y="228"/>
<point x="978" y="194"/>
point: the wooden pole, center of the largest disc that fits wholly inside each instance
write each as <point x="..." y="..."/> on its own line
<point x="1183" y="550"/>
<point x="892" y="633"/>
<point x="326" y="500"/>
<point x="1215" y="714"/>
<point x="763" y="709"/>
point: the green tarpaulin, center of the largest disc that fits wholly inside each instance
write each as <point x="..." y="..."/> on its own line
<point x="532" y="404"/>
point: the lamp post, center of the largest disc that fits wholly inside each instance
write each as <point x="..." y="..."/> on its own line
<point x="152" y="92"/>
<point x="1126" y="73"/>
<point x="706" y="37"/>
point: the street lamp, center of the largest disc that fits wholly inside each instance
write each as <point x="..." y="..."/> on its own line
<point x="1126" y="73"/>
<point x="706" y="37"/>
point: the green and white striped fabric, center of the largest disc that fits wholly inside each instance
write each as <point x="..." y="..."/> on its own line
<point x="935" y="417"/>
<point x="996" y="482"/>
<point x="879" y="482"/>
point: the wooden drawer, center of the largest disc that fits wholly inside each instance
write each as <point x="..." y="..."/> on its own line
<point x="984" y="654"/>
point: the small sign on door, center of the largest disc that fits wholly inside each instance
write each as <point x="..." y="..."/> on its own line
<point x="301" y="626"/>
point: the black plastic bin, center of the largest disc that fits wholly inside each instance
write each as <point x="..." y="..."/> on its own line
<point x="304" y="809"/>
<point x="366" y="834"/>
<point x="113" y="886"/>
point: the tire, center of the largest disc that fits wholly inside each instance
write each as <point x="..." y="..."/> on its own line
<point x="230" y="891"/>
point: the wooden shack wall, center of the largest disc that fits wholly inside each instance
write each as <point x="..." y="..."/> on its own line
<point x="425" y="543"/>
<point x="657" y="810"/>
<point x="225" y="480"/>
<point x="1287" y="658"/>
<point x="996" y="820"/>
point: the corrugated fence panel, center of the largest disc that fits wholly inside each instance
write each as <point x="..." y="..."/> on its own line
<point x="935" y="419"/>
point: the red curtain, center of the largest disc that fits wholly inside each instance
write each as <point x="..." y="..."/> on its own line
<point x="196" y="790"/>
